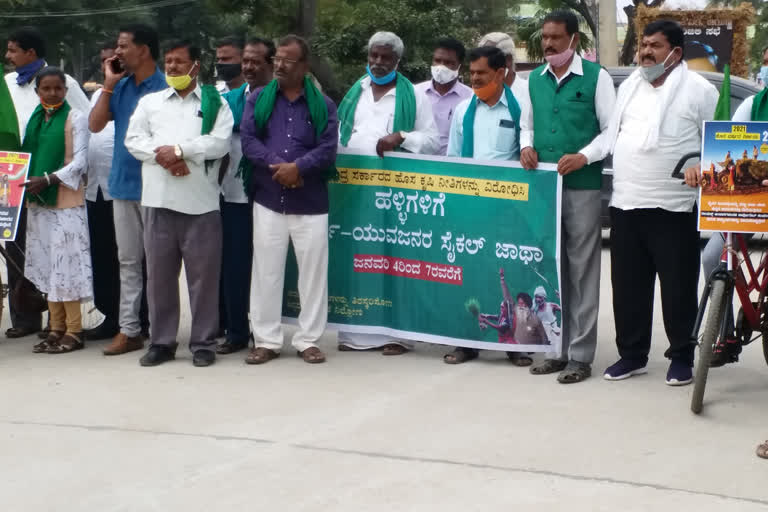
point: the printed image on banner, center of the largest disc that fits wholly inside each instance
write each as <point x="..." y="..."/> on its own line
<point x="734" y="187"/>
<point x="443" y="250"/>
<point x="13" y="172"/>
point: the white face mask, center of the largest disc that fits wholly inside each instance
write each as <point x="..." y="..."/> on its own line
<point x="443" y="75"/>
<point x="652" y="73"/>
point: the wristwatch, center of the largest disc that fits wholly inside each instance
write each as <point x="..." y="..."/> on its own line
<point x="178" y="152"/>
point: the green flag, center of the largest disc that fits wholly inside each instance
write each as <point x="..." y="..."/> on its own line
<point x="9" y="124"/>
<point x="723" y="110"/>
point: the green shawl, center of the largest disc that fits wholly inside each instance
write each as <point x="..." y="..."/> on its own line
<point x="236" y="101"/>
<point x="468" y="123"/>
<point x="760" y="106"/>
<point x="46" y="141"/>
<point x="210" y="103"/>
<point x="405" y="108"/>
<point x="262" y="111"/>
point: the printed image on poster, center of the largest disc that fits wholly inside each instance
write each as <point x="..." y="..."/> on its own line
<point x="734" y="188"/>
<point x="708" y="47"/>
<point x="443" y="250"/>
<point x="13" y="173"/>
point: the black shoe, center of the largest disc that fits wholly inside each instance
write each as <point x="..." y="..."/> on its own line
<point x="158" y="354"/>
<point x="203" y="357"/>
<point x="104" y="331"/>
<point x="229" y="347"/>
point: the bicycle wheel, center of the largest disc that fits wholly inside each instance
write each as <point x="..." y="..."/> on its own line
<point x="715" y="318"/>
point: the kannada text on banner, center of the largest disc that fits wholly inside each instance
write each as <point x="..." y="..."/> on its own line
<point x="734" y="188"/>
<point x="443" y="250"/>
<point x="13" y="172"/>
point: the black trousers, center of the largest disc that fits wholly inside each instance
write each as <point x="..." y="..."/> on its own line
<point x="106" y="267"/>
<point x="646" y="243"/>
<point x="236" y="263"/>
<point x="16" y="251"/>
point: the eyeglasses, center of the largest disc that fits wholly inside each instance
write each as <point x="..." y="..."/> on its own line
<point x="280" y="60"/>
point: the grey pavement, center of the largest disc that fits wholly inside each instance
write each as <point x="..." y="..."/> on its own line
<point x="364" y="432"/>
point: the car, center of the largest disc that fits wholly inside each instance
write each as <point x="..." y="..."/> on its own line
<point x="741" y="89"/>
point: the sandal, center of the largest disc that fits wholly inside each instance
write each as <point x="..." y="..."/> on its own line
<point x="574" y="372"/>
<point x="762" y="450"/>
<point x="43" y="346"/>
<point x="548" y="366"/>
<point x="461" y="355"/>
<point x="519" y="359"/>
<point x="393" y="349"/>
<point x="67" y="343"/>
<point x="261" y="355"/>
<point x="312" y="355"/>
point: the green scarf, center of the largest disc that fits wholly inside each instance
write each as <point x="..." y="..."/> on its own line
<point x="760" y="106"/>
<point x="45" y="140"/>
<point x="210" y="103"/>
<point x="236" y="101"/>
<point x="405" y="108"/>
<point x="468" y="123"/>
<point x="262" y="111"/>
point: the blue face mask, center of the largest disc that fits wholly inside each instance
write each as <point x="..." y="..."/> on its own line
<point x="764" y="75"/>
<point x="383" y="80"/>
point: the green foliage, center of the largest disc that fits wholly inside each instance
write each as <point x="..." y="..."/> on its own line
<point x="530" y="32"/>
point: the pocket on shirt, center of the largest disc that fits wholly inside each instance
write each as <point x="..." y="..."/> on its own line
<point x="505" y="136"/>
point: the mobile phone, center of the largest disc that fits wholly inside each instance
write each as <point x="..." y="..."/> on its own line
<point x="116" y="66"/>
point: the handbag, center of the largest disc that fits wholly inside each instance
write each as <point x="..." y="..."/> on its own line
<point x="26" y="298"/>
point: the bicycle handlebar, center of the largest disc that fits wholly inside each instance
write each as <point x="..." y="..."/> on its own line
<point x="679" y="167"/>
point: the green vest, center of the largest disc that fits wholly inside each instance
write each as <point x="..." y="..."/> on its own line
<point x="565" y="121"/>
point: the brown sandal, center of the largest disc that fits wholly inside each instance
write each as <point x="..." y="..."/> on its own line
<point x="261" y="355"/>
<point x="43" y="346"/>
<point x="519" y="359"/>
<point x="393" y="349"/>
<point x="762" y="450"/>
<point x="460" y="355"/>
<point x="67" y="343"/>
<point x="312" y="355"/>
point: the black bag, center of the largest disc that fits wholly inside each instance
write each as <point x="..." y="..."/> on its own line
<point x="26" y="298"/>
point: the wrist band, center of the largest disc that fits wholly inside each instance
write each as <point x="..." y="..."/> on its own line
<point x="104" y="90"/>
<point x="47" y="178"/>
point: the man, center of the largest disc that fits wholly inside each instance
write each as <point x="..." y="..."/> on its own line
<point x="528" y="327"/>
<point x="290" y="134"/>
<point x="445" y="91"/>
<point x="487" y="127"/>
<point x="754" y="108"/>
<point x="236" y="212"/>
<point x="658" y="119"/>
<point x="178" y="134"/>
<point x="26" y="51"/>
<point x="547" y="313"/>
<point x="229" y="69"/>
<point x="506" y="44"/>
<point x="131" y="74"/>
<point x="572" y="100"/>
<point x="101" y="224"/>
<point x="368" y="123"/>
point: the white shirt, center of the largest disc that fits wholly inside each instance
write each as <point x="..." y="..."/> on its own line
<point x="71" y="174"/>
<point x="743" y="114"/>
<point x="231" y="186"/>
<point x="495" y="137"/>
<point x="100" y="150"/>
<point x="164" y="118"/>
<point x="642" y="178"/>
<point x="26" y="100"/>
<point x="605" y="99"/>
<point x="520" y="88"/>
<point x="374" y="120"/>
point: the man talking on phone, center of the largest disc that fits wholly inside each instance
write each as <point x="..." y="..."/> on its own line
<point x="128" y="76"/>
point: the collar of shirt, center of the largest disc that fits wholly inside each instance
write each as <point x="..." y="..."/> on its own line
<point x="366" y="84"/>
<point x="453" y="90"/>
<point x="147" y="82"/>
<point x="502" y="101"/>
<point x="171" y="92"/>
<point x="576" y="68"/>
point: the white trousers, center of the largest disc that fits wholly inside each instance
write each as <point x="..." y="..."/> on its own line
<point x="271" y="233"/>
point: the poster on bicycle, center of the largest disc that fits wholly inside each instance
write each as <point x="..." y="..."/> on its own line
<point x="443" y="250"/>
<point x="733" y="195"/>
<point x="13" y="172"/>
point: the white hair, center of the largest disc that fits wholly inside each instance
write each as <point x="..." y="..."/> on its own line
<point x="387" y="39"/>
<point x="540" y="292"/>
<point x="503" y="42"/>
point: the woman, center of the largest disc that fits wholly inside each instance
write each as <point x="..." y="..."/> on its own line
<point x="58" y="248"/>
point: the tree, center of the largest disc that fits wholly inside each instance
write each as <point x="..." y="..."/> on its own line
<point x="629" y="48"/>
<point x="530" y="32"/>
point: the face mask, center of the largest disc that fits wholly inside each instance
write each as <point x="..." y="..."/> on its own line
<point x="228" y="72"/>
<point x="180" y="82"/>
<point x="50" y="109"/>
<point x="652" y="73"/>
<point x="486" y="92"/>
<point x="444" y="75"/>
<point x="559" y="59"/>
<point x="764" y="75"/>
<point x="384" y="80"/>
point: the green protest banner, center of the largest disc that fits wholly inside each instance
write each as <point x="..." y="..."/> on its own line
<point x="444" y="250"/>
